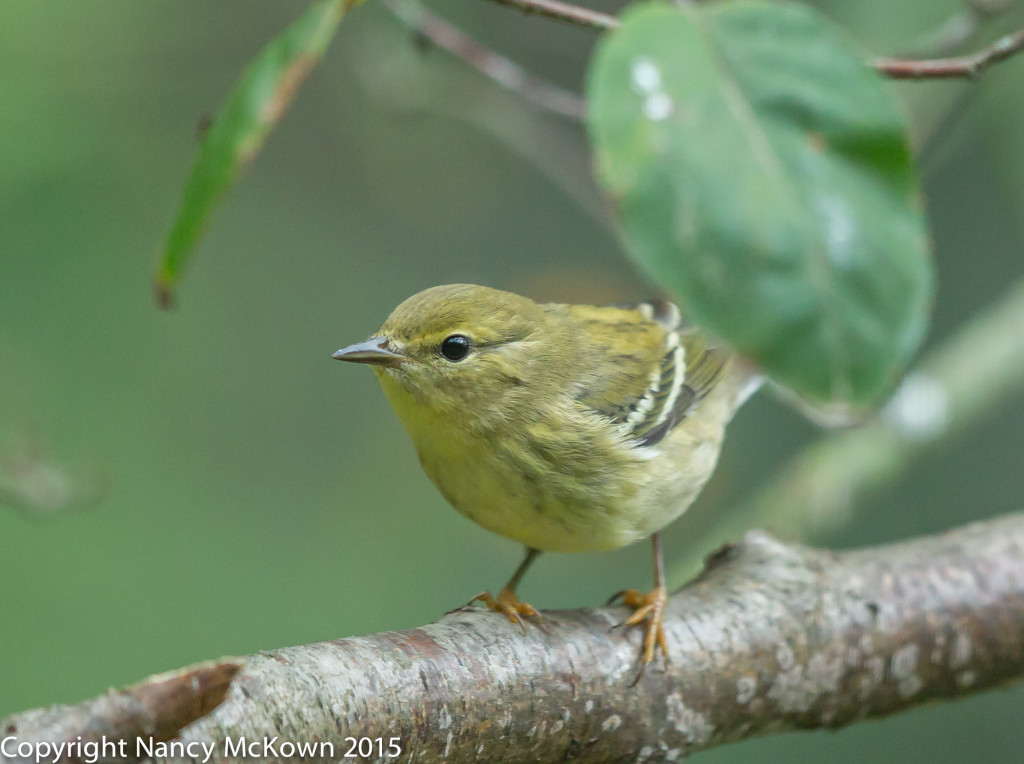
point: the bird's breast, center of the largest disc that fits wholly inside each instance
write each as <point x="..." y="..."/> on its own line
<point x="556" y="480"/>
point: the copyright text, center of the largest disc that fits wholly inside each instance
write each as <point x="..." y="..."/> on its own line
<point x="107" y="750"/>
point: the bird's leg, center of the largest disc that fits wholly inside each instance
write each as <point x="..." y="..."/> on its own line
<point x="507" y="602"/>
<point x="649" y="607"/>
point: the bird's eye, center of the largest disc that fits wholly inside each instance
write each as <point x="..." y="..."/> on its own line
<point x="456" y="347"/>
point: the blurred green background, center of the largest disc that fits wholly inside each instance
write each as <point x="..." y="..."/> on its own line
<point x="258" y="494"/>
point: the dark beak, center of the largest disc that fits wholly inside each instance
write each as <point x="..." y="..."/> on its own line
<point x="374" y="351"/>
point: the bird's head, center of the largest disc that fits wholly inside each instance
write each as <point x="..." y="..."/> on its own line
<point x="456" y="348"/>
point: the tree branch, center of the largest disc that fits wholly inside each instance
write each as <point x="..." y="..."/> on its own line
<point x="770" y="637"/>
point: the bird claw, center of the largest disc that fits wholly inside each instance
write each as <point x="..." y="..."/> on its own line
<point x="508" y="605"/>
<point x="648" y="607"/>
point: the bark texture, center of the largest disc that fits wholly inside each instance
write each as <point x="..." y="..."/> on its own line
<point x="769" y="637"/>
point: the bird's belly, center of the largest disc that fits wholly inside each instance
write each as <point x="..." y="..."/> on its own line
<point x="502" y="503"/>
<point x="500" y="500"/>
<point x="558" y="512"/>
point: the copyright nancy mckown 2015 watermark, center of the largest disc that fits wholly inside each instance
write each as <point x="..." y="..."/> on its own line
<point x="107" y="750"/>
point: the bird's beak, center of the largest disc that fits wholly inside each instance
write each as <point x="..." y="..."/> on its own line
<point x="374" y="351"/>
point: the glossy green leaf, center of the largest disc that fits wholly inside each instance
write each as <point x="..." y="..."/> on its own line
<point x="237" y="133"/>
<point x="760" y="171"/>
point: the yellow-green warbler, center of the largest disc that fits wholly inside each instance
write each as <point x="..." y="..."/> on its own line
<point x="567" y="428"/>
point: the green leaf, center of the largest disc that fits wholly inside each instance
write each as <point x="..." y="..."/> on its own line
<point x="760" y="171"/>
<point x="254" y="106"/>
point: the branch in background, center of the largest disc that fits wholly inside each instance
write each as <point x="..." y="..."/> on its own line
<point x="769" y="638"/>
<point x="957" y="30"/>
<point x="943" y="68"/>
<point x="497" y="67"/>
<point x="954" y="33"/>
<point x="960" y="382"/>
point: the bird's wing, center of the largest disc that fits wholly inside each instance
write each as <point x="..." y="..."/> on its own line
<point x="649" y="381"/>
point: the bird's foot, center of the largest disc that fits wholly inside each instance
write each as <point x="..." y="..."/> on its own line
<point x="648" y="607"/>
<point x="508" y="604"/>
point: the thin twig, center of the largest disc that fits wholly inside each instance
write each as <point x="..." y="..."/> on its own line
<point x="968" y="67"/>
<point x="769" y="638"/>
<point x="571" y="14"/>
<point x="497" y="67"/>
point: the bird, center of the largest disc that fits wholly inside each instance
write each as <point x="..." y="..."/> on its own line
<point x="566" y="428"/>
